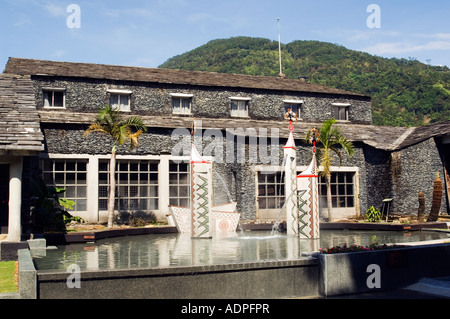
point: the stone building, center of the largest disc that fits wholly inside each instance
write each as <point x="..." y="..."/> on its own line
<point x="241" y="128"/>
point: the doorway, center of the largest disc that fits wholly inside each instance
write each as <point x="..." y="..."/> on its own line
<point x="4" y="197"/>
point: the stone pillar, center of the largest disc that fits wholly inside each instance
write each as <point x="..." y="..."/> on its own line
<point x="290" y="186"/>
<point x="308" y="201"/>
<point x="15" y="200"/>
<point x="201" y="195"/>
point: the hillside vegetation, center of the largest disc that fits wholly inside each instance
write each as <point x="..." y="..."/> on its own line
<point x="404" y="92"/>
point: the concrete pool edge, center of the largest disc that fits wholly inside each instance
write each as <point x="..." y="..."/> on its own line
<point x="92" y="236"/>
<point x="310" y="276"/>
<point x="269" y="279"/>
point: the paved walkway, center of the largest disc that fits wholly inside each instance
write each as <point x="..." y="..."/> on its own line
<point x="426" y="288"/>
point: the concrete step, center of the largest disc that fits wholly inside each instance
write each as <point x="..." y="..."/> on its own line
<point x="433" y="286"/>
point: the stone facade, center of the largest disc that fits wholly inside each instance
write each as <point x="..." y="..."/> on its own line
<point x="388" y="162"/>
<point x="89" y="95"/>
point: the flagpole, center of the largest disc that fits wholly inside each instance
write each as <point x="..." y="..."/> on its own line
<point x="279" y="46"/>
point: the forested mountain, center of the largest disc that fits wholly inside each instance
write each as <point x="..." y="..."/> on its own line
<point x="404" y="92"/>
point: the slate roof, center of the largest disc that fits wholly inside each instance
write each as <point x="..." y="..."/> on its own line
<point x="19" y="120"/>
<point x="166" y="76"/>
<point x="380" y="137"/>
<point x="17" y="91"/>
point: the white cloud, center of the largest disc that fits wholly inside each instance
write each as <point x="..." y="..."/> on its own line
<point x="438" y="36"/>
<point x="405" y="47"/>
<point x="55" y="10"/>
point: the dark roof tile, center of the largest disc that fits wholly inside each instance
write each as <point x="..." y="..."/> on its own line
<point x="167" y="76"/>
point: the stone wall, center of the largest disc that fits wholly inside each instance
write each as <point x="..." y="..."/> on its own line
<point x="414" y="170"/>
<point x="89" y="95"/>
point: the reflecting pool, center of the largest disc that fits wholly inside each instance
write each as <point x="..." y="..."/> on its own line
<point x="168" y="250"/>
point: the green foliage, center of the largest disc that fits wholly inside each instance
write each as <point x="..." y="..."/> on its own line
<point x="49" y="211"/>
<point x="373" y="214"/>
<point x="404" y="92"/>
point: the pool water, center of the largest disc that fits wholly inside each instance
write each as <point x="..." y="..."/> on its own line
<point x="169" y="250"/>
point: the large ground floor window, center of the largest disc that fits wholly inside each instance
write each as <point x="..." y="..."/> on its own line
<point x="69" y="174"/>
<point x="146" y="184"/>
<point x="342" y="190"/>
<point x="179" y="184"/>
<point x="270" y="190"/>
<point x="271" y="193"/>
<point x="136" y="185"/>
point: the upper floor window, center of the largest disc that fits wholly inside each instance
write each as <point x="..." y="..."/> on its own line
<point x="120" y="100"/>
<point x="239" y="106"/>
<point x="54" y="97"/>
<point x="294" y="106"/>
<point x="181" y="103"/>
<point x="340" y="111"/>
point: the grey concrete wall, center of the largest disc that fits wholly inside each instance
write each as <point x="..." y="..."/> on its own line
<point x="277" y="279"/>
<point x="348" y="273"/>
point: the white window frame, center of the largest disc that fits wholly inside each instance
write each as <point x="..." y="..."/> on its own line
<point x="293" y="103"/>
<point x="181" y="97"/>
<point x="179" y="188"/>
<point x="338" y="212"/>
<point x="75" y="190"/>
<point x="131" y="190"/>
<point x="341" y="107"/>
<point x="119" y="93"/>
<point x="239" y="101"/>
<point x="48" y="90"/>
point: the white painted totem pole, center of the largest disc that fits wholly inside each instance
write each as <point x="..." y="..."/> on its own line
<point x="201" y="193"/>
<point x="290" y="173"/>
<point x="308" y="195"/>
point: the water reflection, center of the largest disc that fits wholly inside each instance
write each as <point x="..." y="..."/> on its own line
<point x="168" y="250"/>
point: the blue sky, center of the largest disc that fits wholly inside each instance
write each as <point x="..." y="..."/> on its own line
<point x="147" y="33"/>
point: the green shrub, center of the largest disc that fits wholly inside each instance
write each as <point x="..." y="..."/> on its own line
<point x="373" y="214"/>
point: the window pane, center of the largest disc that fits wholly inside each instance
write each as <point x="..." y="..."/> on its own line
<point x="47" y="98"/>
<point x="59" y="166"/>
<point x="81" y="178"/>
<point x="134" y="178"/>
<point x="103" y="178"/>
<point x="58" y="99"/>
<point x="184" y="202"/>
<point x="59" y="178"/>
<point x="103" y="191"/>
<point x="262" y="203"/>
<point x="153" y="203"/>
<point x="114" y="101"/>
<point x="186" y="106"/>
<point x="176" y="105"/>
<point x="70" y="166"/>
<point x="153" y="191"/>
<point x="48" y="178"/>
<point x="124" y="102"/>
<point x="143" y="204"/>
<point x="81" y="191"/>
<point x="70" y="192"/>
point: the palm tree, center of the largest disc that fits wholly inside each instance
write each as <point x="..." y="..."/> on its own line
<point x="331" y="141"/>
<point x="111" y="122"/>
